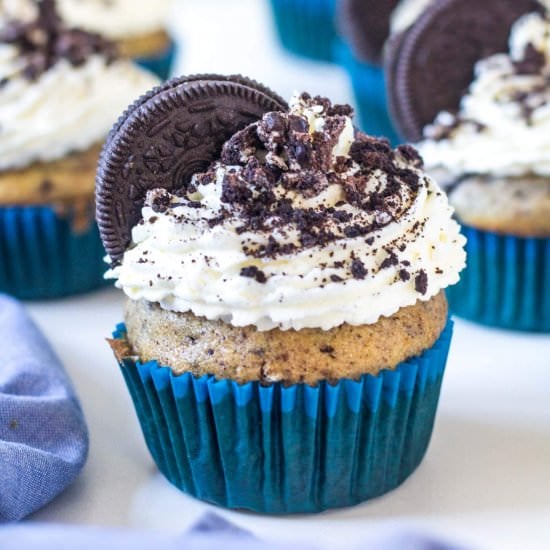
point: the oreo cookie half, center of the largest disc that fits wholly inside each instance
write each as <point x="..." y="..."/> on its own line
<point x="366" y="26"/>
<point x="432" y="64"/>
<point x="168" y="135"/>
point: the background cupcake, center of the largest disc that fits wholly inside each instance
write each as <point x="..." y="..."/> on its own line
<point x="492" y="155"/>
<point x="60" y="91"/>
<point x="138" y="28"/>
<point x="264" y="290"/>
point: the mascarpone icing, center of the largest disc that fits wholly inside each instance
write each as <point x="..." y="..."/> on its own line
<point x="302" y="223"/>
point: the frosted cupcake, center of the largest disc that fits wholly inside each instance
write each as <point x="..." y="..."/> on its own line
<point x="60" y="91"/>
<point x="286" y="328"/>
<point x="493" y="157"/>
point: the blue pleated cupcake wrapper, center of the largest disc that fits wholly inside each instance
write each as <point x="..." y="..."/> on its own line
<point x="369" y="89"/>
<point x="161" y="63"/>
<point x="43" y="257"/>
<point x="506" y="283"/>
<point x="306" y="27"/>
<point x="296" y="449"/>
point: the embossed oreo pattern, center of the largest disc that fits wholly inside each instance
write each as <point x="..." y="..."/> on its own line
<point x="171" y="133"/>
<point x="432" y="64"/>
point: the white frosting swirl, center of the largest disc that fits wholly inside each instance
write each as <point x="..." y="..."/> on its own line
<point x="116" y="19"/>
<point x="66" y="109"/>
<point x="503" y="126"/>
<point x="186" y="261"/>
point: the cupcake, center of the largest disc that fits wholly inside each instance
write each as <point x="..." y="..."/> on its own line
<point x="60" y="91"/>
<point x="138" y="28"/>
<point x="286" y="327"/>
<point x="490" y="149"/>
<point x="365" y="28"/>
<point x="306" y="27"/>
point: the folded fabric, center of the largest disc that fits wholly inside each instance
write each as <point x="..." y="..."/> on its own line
<point x="43" y="436"/>
<point x="211" y="533"/>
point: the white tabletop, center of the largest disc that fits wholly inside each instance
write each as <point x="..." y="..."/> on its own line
<point x="486" y="478"/>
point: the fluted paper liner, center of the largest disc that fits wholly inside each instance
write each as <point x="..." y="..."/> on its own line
<point x="282" y="450"/>
<point x="43" y="255"/>
<point x="160" y="63"/>
<point x="506" y="282"/>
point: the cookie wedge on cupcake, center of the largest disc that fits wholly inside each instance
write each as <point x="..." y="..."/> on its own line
<point x="286" y="329"/>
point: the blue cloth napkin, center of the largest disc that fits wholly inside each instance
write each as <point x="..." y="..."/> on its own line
<point x="211" y="533"/>
<point x="43" y="436"/>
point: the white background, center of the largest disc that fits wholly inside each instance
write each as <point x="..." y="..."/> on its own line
<point x="486" y="478"/>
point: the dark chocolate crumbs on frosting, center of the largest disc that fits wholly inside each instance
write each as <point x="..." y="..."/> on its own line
<point x="279" y="155"/>
<point x="254" y="272"/>
<point x="533" y="61"/>
<point x="421" y="282"/>
<point x="358" y="269"/>
<point x="46" y="40"/>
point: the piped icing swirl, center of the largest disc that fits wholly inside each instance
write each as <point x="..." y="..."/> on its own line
<point x="303" y="222"/>
<point x="60" y="88"/>
<point x="503" y="125"/>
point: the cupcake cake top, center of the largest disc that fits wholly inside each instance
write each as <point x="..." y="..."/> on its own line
<point x="61" y="88"/>
<point x="503" y="124"/>
<point x="301" y="222"/>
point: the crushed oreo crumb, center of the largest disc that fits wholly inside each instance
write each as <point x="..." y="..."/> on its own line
<point x="282" y="182"/>
<point x="254" y="273"/>
<point x="421" y="282"/>
<point x="358" y="269"/>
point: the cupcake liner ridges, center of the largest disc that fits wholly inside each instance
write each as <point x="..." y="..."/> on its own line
<point x="306" y="27"/>
<point x="43" y="256"/>
<point x="296" y="449"/>
<point x="506" y="283"/>
<point x="161" y="63"/>
<point x="369" y="89"/>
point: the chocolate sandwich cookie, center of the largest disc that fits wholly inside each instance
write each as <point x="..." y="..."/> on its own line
<point x="366" y="24"/>
<point x="430" y="65"/>
<point x="164" y="138"/>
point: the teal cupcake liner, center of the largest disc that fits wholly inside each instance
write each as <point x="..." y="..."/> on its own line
<point x="306" y="27"/>
<point x="369" y="89"/>
<point x="285" y="450"/>
<point x="161" y="63"/>
<point x="42" y="256"/>
<point x="506" y="283"/>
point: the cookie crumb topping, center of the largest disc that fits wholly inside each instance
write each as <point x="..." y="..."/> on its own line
<point x="46" y="40"/>
<point x="303" y="179"/>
